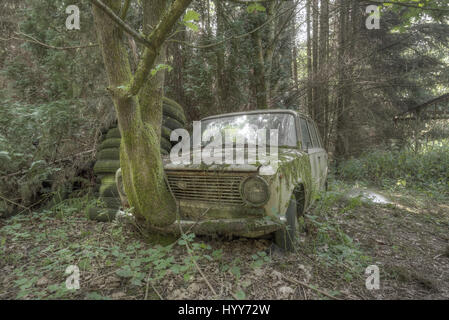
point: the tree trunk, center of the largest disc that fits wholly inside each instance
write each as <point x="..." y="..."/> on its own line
<point x="323" y="59"/>
<point x="314" y="58"/>
<point x="220" y="54"/>
<point x="137" y="101"/>
<point x="341" y="142"/>
<point x="259" y="71"/>
<point x="268" y="55"/>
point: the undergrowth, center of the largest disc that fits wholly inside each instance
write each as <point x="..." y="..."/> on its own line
<point x="36" y="248"/>
<point x="427" y="170"/>
<point x="327" y="240"/>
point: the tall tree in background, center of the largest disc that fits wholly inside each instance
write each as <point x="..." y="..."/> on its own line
<point x="323" y="103"/>
<point x="341" y="144"/>
<point x="309" y="58"/>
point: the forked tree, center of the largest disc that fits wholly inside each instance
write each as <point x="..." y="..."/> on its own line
<point x="137" y="99"/>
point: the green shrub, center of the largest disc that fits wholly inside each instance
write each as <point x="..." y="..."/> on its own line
<point x="426" y="170"/>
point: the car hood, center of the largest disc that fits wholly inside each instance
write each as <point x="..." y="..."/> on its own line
<point x="285" y="155"/>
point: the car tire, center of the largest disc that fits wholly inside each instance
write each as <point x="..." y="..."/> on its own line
<point x="109" y="191"/>
<point x="165" y="144"/>
<point x="287" y="237"/>
<point x="172" y="110"/>
<point x="172" y="124"/>
<point x="110" y="143"/>
<point x="113" y="133"/>
<point x="110" y="202"/>
<point x="165" y="133"/>
<point x="109" y="154"/>
<point x="106" y="166"/>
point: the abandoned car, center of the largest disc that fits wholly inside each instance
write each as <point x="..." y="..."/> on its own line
<point x="247" y="199"/>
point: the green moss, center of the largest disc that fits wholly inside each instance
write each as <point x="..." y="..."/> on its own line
<point x="110" y="143"/>
<point x="108" y="179"/>
<point x="101" y="214"/>
<point x="106" y="166"/>
<point x="165" y="132"/>
<point x="143" y="176"/>
<point x="172" y="124"/>
<point x="138" y="103"/>
<point x="296" y="168"/>
<point x="173" y="112"/>
<point x="165" y="144"/>
<point x="109" y="154"/>
<point x="113" y="133"/>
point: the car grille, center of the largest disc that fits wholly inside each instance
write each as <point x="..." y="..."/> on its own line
<point x="216" y="188"/>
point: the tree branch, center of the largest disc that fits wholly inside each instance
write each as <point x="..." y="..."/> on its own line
<point x="408" y="5"/>
<point x="249" y="1"/>
<point x="34" y="40"/>
<point x="155" y="41"/>
<point x="232" y="37"/>
<point x="122" y="24"/>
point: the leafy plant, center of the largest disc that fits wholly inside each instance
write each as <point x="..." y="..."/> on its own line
<point x="426" y="170"/>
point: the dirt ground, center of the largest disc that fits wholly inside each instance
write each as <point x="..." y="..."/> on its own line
<point x="408" y="240"/>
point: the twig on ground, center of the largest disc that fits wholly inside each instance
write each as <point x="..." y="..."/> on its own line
<point x="152" y="286"/>
<point x="309" y="287"/>
<point x="17" y="204"/>
<point x="200" y="271"/>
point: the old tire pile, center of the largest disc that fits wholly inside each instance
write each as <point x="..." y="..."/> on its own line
<point x="108" y="160"/>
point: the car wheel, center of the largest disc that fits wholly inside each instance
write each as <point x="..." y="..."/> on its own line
<point x="171" y="109"/>
<point x="110" y="143"/>
<point x="165" y="144"/>
<point x="106" y="166"/>
<point x="287" y="237"/>
<point x="172" y="124"/>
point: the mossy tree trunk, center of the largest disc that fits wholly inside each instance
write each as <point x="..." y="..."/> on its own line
<point x="137" y="100"/>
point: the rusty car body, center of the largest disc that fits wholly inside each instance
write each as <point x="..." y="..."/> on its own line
<point x="221" y="199"/>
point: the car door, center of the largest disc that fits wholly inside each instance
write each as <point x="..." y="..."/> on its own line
<point x="319" y="152"/>
<point x="307" y="144"/>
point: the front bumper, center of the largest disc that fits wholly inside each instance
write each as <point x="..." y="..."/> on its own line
<point x="245" y="227"/>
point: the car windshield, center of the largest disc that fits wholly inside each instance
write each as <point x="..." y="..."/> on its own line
<point x="246" y="125"/>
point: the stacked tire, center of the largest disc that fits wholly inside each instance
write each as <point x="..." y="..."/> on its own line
<point x="108" y="160"/>
<point x="173" y="118"/>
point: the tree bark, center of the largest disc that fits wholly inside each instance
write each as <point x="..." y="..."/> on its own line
<point x="220" y="54"/>
<point x="309" y="60"/>
<point x="341" y="116"/>
<point x="137" y="101"/>
<point x="314" y="58"/>
<point x="323" y="59"/>
<point x="259" y="71"/>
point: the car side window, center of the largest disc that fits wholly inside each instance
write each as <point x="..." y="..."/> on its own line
<point x="316" y="143"/>
<point x="306" y="140"/>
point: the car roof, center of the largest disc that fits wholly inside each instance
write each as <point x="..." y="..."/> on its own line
<point x="294" y="112"/>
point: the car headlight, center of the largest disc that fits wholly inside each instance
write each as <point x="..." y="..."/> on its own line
<point x="254" y="191"/>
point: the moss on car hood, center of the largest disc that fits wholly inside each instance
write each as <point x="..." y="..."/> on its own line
<point x="287" y="160"/>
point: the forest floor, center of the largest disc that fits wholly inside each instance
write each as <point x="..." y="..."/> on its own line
<point x="407" y="239"/>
